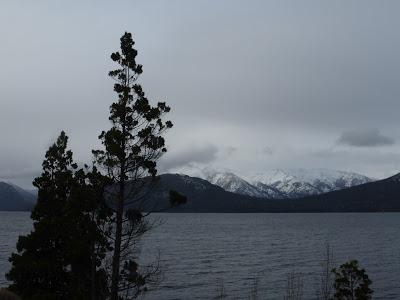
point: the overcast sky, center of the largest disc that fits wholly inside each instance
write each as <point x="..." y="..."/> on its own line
<point x="253" y="85"/>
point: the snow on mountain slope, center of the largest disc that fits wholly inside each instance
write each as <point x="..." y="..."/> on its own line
<point x="233" y="183"/>
<point x="279" y="183"/>
<point x="229" y="182"/>
<point x="303" y="182"/>
<point x="270" y="191"/>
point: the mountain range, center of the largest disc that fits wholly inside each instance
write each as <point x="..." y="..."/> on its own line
<point x="376" y="196"/>
<point x="281" y="184"/>
<point x="322" y="190"/>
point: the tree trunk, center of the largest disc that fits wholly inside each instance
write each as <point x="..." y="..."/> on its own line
<point x="93" y="275"/>
<point x="117" y="243"/>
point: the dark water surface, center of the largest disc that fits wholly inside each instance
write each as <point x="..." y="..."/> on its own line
<point x="199" y="251"/>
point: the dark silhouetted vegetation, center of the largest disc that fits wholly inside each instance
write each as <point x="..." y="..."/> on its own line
<point x="59" y="259"/>
<point x="294" y="286"/>
<point x="351" y="282"/>
<point x="8" y="295"/>
<point x="325" y="277"/>
<point x="131" y="148"/>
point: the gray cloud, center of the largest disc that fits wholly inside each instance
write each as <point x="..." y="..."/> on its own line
<point x="364" y="138"/>
<point x="10" y="175"/>
<point x="230" y="150"/>
<point x="374" y="162"/>
<point x="201" y="155"/>
<point x="235" y="75"/>
<point x="268" y="150"/>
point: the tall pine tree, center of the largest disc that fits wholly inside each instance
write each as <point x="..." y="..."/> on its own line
<point x="132" y="147"/>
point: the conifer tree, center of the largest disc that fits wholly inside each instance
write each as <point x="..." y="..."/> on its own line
<point x="61" y="257"/>
<point x="89" y="214"/>
<point x="132" y="147"/>
<point x="40" y="269"/>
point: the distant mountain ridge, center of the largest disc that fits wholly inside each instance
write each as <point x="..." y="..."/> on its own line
<point x="281" y="184"/>
<point x="297" y="183"/>
<point x="377" y="196"/>
<point x="203" y="196"/>
<point x="273" y="184"/>
<point x="14" y="198"/>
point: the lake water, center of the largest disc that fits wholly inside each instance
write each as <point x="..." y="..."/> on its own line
<point x="200" y="252"/>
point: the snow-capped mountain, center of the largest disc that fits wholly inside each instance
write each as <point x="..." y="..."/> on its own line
<point x="278" y="183"/>
<point x="235" y="184"/>
<point x="297" y="183"/>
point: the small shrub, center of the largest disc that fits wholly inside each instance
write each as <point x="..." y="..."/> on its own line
<point x="351" y="282"/>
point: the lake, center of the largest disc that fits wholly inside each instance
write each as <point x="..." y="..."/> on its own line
<point x="200" y="253"/>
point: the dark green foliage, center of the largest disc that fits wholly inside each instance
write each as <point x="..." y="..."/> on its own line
<point x="351" y="282"/>
<point x="55" y="261"/>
